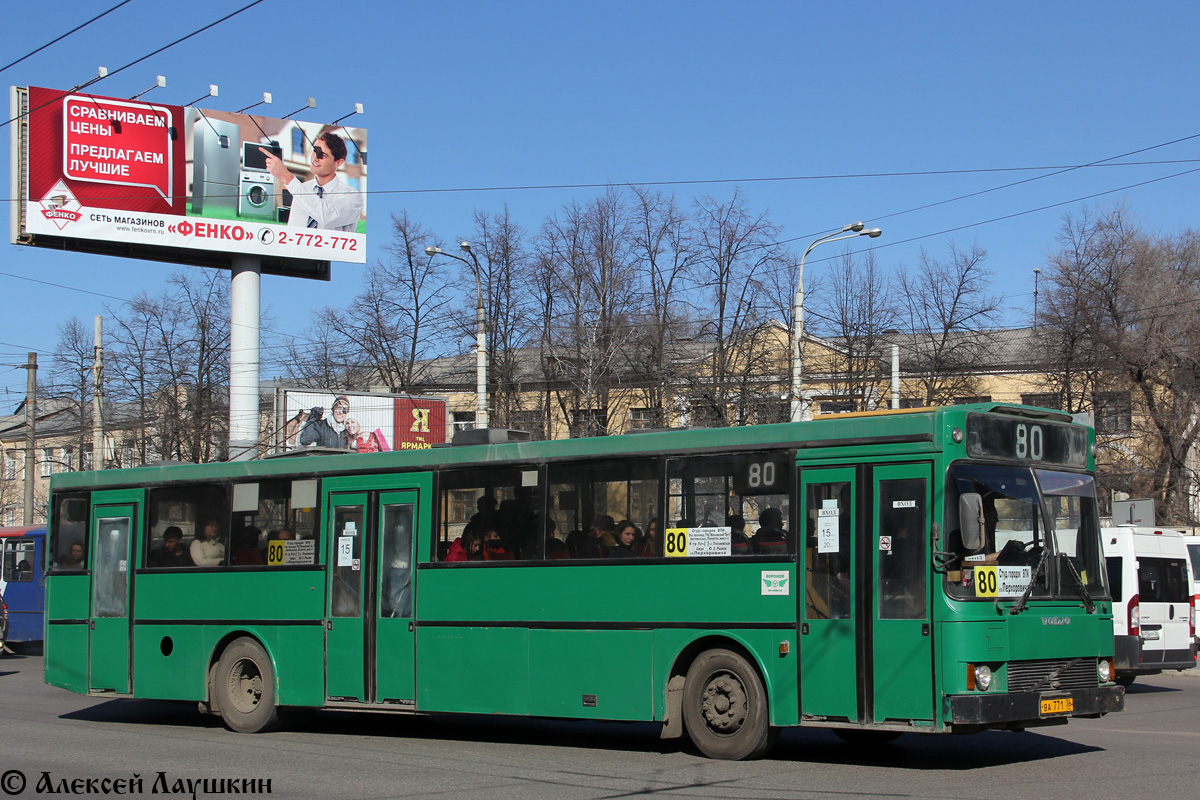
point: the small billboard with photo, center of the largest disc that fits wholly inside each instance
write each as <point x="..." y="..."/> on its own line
<point x="162" y="180"/>
<point x="361" y="422"/>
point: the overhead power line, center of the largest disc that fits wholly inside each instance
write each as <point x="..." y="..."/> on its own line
<point x="65" y="35"/>
<point x="151" y="54"/>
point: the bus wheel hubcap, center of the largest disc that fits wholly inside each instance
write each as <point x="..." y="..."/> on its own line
<point x="245" y="685"/>
<point x="724" y="704"/>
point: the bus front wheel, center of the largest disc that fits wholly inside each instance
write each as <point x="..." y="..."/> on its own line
<point x="725" y="707"/>
<point x="244" y="685"/>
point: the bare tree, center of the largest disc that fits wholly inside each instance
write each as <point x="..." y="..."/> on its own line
<point x="586" y="250"/>
<point x="391" y="325"/>
<point x="170" y="355"/>
<point x="1123" y="346"/>
<point x="735" y="251"/>
<point x="71" y="372"/>
<point x="664" y="253"/>
<point x="948" y="307"/>
<point x="499" y="242"/>
<point x="855" y="308"/>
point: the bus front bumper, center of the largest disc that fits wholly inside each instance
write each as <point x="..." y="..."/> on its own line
<point x="1027" y="710"/>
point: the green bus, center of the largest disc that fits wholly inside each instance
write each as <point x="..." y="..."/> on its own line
<point x="932" y="571"/>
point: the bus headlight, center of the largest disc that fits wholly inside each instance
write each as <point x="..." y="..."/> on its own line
<point x="983" y="677"/>
<point x="1104" y="670"/>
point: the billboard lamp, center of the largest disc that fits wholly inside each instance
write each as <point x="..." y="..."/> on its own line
<point x="212" y="92"/>
<point x="159" y="82"/>
<point x="266" y="99"/>
<point x="312" y="103"/>
<point x="358" y="109"/>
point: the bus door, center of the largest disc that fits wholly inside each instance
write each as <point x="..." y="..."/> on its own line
<point x="901" y="641"/>
<point x="369" y="641"/>
<point x="110" y="558"/>
<point x="829" y="666"/>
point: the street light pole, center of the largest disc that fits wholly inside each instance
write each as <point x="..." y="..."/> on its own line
<point x="859" y="229"/>
<point x="481" y="358"/>
<point x="1037" y="273"/>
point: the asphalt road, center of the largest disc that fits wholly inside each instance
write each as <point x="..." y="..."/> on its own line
<point x="1152" y="749"/>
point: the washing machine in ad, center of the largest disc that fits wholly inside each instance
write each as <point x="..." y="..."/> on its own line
<point x="257" y="198"/>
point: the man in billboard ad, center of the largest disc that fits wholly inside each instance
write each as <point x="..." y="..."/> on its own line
<point x="115" y="170"/>
<point x="326" y="201"/>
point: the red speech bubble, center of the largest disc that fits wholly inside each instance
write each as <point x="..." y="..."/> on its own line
<point x="117" y="142"/>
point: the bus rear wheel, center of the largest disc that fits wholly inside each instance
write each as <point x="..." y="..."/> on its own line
<point x="725" y="707"/>
<point x="244" y="685"/>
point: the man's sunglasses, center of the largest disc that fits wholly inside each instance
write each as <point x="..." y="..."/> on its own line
<point x="319" y="154"/>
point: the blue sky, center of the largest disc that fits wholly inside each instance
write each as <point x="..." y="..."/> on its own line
<point x="516" y="94"/>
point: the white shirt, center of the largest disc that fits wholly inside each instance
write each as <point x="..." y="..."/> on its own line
<point x="207" y="553"/>
<point x="337" y="208"/>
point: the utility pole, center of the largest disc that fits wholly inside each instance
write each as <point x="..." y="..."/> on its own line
<point x="97" y="397"/>
<point x="30" y="440"/>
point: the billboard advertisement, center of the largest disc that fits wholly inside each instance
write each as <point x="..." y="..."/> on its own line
<point x="365" y="423"/>
<point x="103" y="169"/>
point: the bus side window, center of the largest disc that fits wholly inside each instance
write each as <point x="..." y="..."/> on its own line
<point x="746" y="494"/>
<point x="506" y="500"/>
<point x="68" y="549"/>
<point x="201" y="513"/>
<point x="827" y="591"/>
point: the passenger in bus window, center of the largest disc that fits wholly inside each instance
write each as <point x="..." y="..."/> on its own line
<point x="465" y="547"/>
<point x="245" y="547"/>
<point x="207" y="549"/>
<point x="627" y="534"/>
<point x="770" y="538"/>
<point x="492" y="548"/>
<point x="739" y="542"/>
<point x="172" y="552"/>
<point x="576" y="540"/>
<point x="602" y="536"/>
<point x="647" y="547"/>
<point x="74" y="559"/>
<point x="22" y="572"/>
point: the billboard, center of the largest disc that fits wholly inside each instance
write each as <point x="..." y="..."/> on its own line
<point x="185" y="184"/>
<point x="365" y="423"/>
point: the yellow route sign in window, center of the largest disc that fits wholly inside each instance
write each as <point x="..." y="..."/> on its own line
<point x="987" y="582"/>
<point x="676" y="542"/>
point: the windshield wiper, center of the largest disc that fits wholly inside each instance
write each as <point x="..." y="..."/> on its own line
<point x="1081" y="590"/>
<point x="1019" y="606"/>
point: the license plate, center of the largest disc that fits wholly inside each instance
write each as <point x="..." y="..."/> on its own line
<point x="1149" y="634"/>
<point x="1058" y="705"/>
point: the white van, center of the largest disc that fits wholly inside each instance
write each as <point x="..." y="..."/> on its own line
<point x="1154" y="606"/>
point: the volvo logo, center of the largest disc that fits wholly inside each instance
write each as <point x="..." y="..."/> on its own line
<point x="1056" y="620"/>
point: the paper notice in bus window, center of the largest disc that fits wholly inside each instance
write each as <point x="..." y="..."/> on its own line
<point x="345" y="551"/>
<point x="708" y="542"/>
<point x="303" y="551"/>
<point x="827" y="530"/>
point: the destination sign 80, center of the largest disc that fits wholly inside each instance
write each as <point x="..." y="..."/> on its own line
<point x="1004" y="436"/>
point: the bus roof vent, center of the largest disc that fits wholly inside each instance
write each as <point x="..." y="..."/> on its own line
<point x="297" y="452"/>
<point x="488" y="436"/>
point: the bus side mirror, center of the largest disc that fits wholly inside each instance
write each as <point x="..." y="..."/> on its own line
<point x="970" y="519"/>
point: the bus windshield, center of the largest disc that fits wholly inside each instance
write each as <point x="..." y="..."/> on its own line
<point x="1040" y="527"/>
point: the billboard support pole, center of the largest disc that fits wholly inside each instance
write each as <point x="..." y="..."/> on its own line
<point x="243" y="357"/>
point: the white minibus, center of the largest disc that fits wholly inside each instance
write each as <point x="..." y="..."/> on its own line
<point x="1154" y="605"/>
